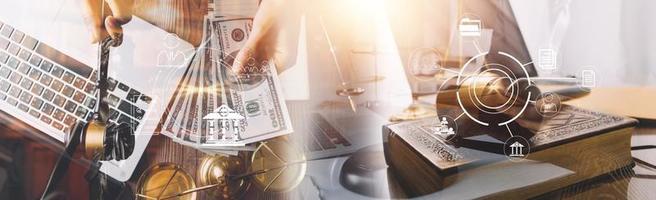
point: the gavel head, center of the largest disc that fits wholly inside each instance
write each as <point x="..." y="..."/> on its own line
<point x="107" y="142"/>
<point x="489" y="95"/>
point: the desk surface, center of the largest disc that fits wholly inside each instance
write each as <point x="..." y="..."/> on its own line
<point x="638" y="184"/>
<point x="628" y="101"/>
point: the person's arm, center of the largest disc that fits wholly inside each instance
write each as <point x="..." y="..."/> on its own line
<point x="274" y="36"/>
<point x="182" y="17"/>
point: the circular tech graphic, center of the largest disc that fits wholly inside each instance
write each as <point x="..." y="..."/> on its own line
<point x="493" y="89"/>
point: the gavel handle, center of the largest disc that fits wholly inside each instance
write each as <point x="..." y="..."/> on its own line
<point x="103" y="65"/>
<point x="64" y="160"/>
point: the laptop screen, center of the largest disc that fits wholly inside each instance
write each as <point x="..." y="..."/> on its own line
<point x="498" y="16"/>
<point x="460" y="30"/>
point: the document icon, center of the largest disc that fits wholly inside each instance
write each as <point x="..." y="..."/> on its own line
<point x="469" y="27"/>
<point x="588" y="78"/>
<point x="547" y="59"/>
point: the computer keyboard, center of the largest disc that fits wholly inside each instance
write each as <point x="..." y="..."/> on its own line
<point x="56" y="90"/>
<point x="313" y="130"/>
<point x="325" y="136"/>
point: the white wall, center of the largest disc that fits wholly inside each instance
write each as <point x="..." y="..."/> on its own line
<point x="615" y="38"/>
<point x="639" y="39"/>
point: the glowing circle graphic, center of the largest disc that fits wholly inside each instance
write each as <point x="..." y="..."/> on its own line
<point x="493" y="89"/>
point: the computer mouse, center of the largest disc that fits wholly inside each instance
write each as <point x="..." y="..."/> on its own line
<point x="363" y="172"/>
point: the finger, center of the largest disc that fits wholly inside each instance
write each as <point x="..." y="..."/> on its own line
<point x="114" y="29"/>
<point x="121" y="14"/>
<point x="241" y="60"/>
<point x="281" y="59"/>
<point x="94" y="17"/>
<point x="121" y="10"/>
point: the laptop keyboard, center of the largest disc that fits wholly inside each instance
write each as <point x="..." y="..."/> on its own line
<point x="322" y="135"/>
<point x="314" y="132"/>
<point x="34" y="80"/>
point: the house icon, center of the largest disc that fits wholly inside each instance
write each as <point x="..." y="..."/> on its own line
<point x="516" y="149"/>
<point x="227" y="121"/>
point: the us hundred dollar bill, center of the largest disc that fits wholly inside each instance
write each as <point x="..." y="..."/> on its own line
<point x="257" y="95"/>
<point x="211" y="83"/>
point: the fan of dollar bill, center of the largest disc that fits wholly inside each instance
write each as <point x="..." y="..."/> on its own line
<point x="217" y="111"/>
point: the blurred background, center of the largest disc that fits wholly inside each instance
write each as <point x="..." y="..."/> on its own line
<point x="613" y="37"/>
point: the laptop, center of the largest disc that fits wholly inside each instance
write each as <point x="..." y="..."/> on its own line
<point x="48" y="67"/>
<point x="327" y="131"/>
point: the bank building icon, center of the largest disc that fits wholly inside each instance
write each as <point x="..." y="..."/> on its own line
<point x="516" y="149"/>
<point x="226" y="122"/>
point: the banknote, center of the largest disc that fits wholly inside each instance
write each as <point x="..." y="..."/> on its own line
<point x="176" y="125"/>
<point x="210" y="83"/>
<point x="259" y="96"/>
<point x="172" y="124"/>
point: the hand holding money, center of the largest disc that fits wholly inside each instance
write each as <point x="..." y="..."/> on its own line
<point x="217" y="111"/>
<point x="264" y="42"/>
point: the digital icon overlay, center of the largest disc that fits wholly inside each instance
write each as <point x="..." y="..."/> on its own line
<point x="516" y="148"/>
<point x="547" y="59"/>
<point x="469" y="27"/>
<point x="230" y="125"/>
<point x="548" y="104"/>
<point x="588" y="78"/>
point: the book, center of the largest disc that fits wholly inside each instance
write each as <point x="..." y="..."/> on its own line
<point x="586" y="143"/>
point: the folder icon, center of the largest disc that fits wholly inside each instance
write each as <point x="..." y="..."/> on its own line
<point x="469" y="27"/>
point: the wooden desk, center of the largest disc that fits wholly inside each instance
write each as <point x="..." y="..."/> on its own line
<point x="637" y="102"/>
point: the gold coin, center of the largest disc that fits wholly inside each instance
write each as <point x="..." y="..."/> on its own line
<point x="278" y="165"/>
<point x="163" y="180"/>
<point x="219" y="169"/>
